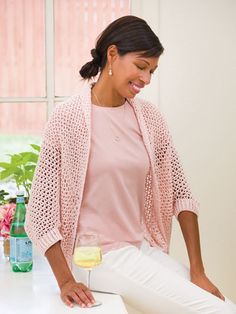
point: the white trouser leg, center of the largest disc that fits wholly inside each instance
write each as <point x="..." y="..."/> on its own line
<point x="152" y="282"/>
<point x="176" y="266"/>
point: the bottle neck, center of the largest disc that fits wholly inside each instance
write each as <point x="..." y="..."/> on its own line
<point x="20" y="210"/>
<point x="20" y="199"/>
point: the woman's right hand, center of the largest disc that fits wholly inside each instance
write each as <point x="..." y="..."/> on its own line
<point x="76" y="292"/>
<point x="71" y="291"/>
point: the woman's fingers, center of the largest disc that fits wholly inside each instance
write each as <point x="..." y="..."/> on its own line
<point x="218" y="294"/>
<point x="83" y="297"/>
<point x="89" y="295"/>
<point x="79" y="298"/>
<point x="76" y="292"/>
<point x="203" y="282"/>
<point x="67" y="301"/>
<point x="221" y="296"/>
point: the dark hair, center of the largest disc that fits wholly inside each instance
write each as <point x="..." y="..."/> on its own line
<point x="129" y="34"/>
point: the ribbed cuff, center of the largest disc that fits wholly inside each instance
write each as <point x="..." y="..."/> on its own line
<point x="46" y="241"/>
<point x="186" y="205"/>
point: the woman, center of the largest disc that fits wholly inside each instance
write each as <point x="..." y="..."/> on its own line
<point x="108" y="166"/>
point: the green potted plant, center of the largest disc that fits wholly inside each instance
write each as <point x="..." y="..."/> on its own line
<point x="20" y="169"/>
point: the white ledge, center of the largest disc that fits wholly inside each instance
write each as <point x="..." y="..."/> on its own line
<point x="37" y="292"/>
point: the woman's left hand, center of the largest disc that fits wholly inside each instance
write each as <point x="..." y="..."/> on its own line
<point x="203" y="282"/>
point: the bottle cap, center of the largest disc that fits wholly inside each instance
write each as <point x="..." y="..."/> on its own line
<point x="20" y="193"/>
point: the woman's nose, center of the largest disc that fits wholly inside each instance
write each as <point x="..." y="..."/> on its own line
<point x="146" y="78"/>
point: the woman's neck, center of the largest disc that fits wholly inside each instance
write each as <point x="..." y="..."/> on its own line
<point x="103" y="94"/>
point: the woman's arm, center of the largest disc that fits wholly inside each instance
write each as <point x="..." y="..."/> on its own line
<point x="71" y="291"/>
<point x="189" y="226"/>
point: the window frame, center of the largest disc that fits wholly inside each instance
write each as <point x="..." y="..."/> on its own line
<point x="137" y="7"/>
<point x="50" y="98"/>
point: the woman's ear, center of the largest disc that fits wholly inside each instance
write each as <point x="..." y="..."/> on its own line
<point x="112" y="54"/>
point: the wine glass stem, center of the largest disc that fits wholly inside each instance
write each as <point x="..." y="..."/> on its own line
<point x="89" y="274"/>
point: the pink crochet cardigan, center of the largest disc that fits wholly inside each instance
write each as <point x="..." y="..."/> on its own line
<point x="57" y="190"/>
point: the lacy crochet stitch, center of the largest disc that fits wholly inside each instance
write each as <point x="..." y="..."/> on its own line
<point x="57" y="189"/>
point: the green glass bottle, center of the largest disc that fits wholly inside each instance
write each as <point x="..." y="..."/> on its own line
<point x="20" y="244"/>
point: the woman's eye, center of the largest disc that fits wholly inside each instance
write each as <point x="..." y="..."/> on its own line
<point x="140" y="68"/>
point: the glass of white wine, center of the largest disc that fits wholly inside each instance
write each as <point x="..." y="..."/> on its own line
<point x="88" y="254"/>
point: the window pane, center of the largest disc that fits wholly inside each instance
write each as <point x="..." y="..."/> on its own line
<point x="13" y="144"/>
<point x="77" y="24"/>
<point x="22" y="48"/>
<point x="22" y="118"/>
<point x="21" y="124"/>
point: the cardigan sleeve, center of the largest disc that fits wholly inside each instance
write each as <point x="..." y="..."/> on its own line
<point x="183" y="198"/>
<point x="43" y="211"/>
<point x="169" y="164"/>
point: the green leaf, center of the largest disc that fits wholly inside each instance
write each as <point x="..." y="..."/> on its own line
<point x="5" y="174"/>
<point x="2" y="193"/>
<point x="29" y="157"/>
<point x="16" y="159"/>
<point x="18" y="171"/>
<point x="30" y="176"/>
<point x="5" y="165"/>
<point x="36" y="147"/>
<point x="30" y="167"/>
<point x="25" y="156"/>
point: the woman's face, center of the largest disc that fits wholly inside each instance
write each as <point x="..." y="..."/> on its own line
<point x="131" y="73"/>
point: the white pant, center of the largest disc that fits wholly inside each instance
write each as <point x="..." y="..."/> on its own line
<point x="152" y="282"/>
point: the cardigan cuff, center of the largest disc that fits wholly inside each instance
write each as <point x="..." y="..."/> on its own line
<point x="186" y="205"/>
<point x="47" y="240"/>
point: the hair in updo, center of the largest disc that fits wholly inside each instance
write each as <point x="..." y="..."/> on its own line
<point x="91" y="68"/>
<point x="129" y="34"/>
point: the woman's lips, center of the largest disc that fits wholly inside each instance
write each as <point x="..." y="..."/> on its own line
<point x="135" y="88"/>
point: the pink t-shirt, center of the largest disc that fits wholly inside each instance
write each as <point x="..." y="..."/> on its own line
<point x="113" y="197"/>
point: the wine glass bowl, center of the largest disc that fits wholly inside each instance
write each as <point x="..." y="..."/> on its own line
<point x="88" y="254"/>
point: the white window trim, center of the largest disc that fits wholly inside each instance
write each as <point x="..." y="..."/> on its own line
<point x="49" y="53"/>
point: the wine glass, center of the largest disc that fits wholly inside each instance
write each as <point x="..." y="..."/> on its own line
<point x="88" y="254"/>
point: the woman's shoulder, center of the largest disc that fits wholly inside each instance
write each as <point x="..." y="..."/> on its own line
<point x="146" y="106"/>
<point x="77" y="102"/>
<point x="71" y="103"/>
<point x="67" y="113"/>
<point x="151" y="113"/>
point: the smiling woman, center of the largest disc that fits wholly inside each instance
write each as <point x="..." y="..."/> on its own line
<point x="138" y="74"/>
<point x="123" y="52"/>
<point x="108" y="167"/>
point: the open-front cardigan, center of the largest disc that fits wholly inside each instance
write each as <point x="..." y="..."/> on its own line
<point x="57" y="189"/>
